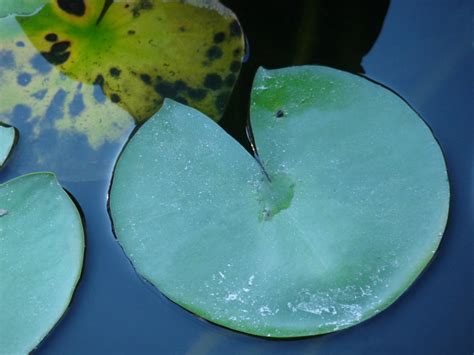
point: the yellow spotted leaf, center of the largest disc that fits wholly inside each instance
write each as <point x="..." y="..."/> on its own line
<point x="75" y="86"/>
<point x="143" y="51"/>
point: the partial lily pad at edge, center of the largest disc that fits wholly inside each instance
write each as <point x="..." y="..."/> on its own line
<point x="41" y="256"/>
<point x="353" y="209"/>
<point x="8" y="137"/>
<point x="20" y="7"/>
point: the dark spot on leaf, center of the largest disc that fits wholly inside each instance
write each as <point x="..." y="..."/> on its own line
<point x="237" y="52"/>
<point x="115" y="98"/>
<point x="7" y="60"/>
<point x="219" y="37"/>
<point x="197" y="94"/>
<point x="146" y="78"/>
<point x="23" y="79"/>
<point x="166" y="89"/>
<point x="76" y="106"/>
<point x="213" y="81"/>
<point x="20" y="113"/>
<point x="235" y="66"/>
<point x="98" y="91"/>
<point x="214" y="53"/>
<point x="56" y="107"/>
<point x="99" y="80"/>
<point x="72" y="7"/>
<point x="221" y="101"/>
<point x="39" y="95"/>
<point x="115" y="72"/>
<point x="131" y="32"/>
<point x="180" y="85"/>
<point x="280" y="114"/>
<point x="60" y="47"/>
<point x="51" y="37"/>
<point x="57" y="54"/>
<point x="20" y="44"/>
<point x="39" y="63"/>
<point x="230" y="80"/>
<point x="235" y="29"/>
<point x="57" y="59"/>
<point x="182" y="29"/>
<point x="142" y="5"/>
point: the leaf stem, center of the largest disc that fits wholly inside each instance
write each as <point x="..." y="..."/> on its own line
<point x="251" y="138"/>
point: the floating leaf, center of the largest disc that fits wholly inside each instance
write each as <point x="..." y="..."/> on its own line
<point x="142" y="51"/>
<point x="7" y="141"/>
<point x="41" y="255"/>
<point x="136" y="52"/>
<point x="19" y="7"/>
<point x="353" y="208"/>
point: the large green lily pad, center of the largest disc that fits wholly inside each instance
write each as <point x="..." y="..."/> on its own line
<point x="353" y="208"/>
<point x="8" y="137"/>
<point x="41" y="255"/>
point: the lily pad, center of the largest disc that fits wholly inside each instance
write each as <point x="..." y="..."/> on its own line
<point x="19" y="7"/>
<point x="41" y="255"/>
<point x="351" y="206"/>
<point x="7" y="141"/>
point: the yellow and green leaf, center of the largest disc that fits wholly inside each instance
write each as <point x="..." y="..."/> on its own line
<point x="88" y="71"/>
<point x="142" y="51"/>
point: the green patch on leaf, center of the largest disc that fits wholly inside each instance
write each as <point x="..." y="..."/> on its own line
<point x="8" y="137"/>
<point x="41" y="255"/>
<point x="354" y="206"/>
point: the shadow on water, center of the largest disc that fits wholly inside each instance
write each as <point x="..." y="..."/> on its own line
<point x="335" y="33"/>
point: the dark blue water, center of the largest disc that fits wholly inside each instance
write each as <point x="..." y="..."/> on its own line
<point x="424" y="52"/>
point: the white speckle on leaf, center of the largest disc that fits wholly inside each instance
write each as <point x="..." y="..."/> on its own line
<point x="231" y="297"/>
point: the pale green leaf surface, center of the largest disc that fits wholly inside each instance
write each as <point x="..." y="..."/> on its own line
<point x="7" y="141"/>
<point x="41" y="255"/>
<point x="19" y="7"/>
<point x="356" y="208"/>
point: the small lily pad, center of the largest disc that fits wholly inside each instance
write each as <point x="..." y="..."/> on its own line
<point x="19" y="7"/>
<point x="351" y="206"/>
<point x="41" y="255"/>
<point x="8" y="137"/>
